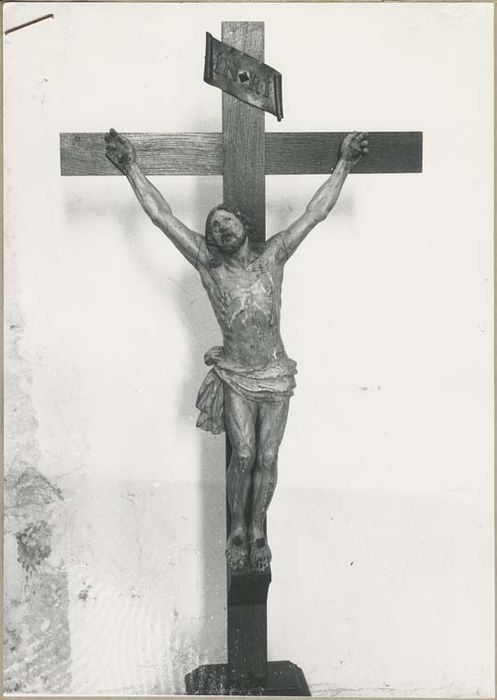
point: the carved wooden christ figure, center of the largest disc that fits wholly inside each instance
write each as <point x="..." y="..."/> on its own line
<point x="248" y="389"/>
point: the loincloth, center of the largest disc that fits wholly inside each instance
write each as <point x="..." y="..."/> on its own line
<point x="274" y="382"/>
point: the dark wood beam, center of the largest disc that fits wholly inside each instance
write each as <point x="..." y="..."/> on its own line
<point x="244" y="184"/>
<point x="202" y="153"/>
<point x="244" y="187"/>
<point x="316" y="152"/>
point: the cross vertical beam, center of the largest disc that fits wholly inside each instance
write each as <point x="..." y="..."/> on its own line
<point x="243" y="135"/>
<point x="244" y="187"/>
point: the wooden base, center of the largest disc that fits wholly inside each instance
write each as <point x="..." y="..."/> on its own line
<point x="283" y="678"/>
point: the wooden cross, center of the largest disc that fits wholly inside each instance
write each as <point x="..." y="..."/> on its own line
<point x="244" y="154"/>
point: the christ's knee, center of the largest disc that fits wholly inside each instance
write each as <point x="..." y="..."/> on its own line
<point x="245" y="457"/>
<point x="268" y="461"/>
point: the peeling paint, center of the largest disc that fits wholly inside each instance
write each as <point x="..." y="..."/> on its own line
<point x="84" y="592"/>
<point x="33" y="545"/>
<point x="36" y="639"/>
<point x="33" y="487"/>
<point x="37" y="650"/>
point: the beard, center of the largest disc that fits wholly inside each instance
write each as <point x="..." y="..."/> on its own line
<point x="231" y="244"/>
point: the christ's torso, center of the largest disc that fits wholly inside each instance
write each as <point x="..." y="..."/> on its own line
<point x="247" y="303"/>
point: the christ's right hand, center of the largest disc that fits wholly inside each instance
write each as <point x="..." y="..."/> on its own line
<point x="119" y="151"/>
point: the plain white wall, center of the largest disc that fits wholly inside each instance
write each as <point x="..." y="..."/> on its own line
<point x="381" y="526"/>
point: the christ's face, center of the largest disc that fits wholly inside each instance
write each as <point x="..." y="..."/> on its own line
<point x="228" y="231"/>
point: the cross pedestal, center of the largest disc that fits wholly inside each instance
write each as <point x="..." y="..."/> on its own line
<point x="244" y="154"/>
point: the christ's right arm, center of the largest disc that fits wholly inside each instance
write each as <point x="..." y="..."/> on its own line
<point x="121" y="153"/>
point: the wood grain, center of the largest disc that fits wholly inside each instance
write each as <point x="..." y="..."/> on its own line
<point x="202" y="153"/>
<point x="247" y="641"/>
<point x="158" y="154"/>
<point x="247" y="621"/>
<point x="244" y="187"/>
<point x="243" y="135"/>
<point x="317" y="152"/>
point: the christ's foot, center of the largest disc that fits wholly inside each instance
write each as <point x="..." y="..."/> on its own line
<point x="260" y="554"/>
<point x="237" y="549"/>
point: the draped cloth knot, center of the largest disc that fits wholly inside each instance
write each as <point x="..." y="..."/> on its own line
<point x="273" y="382"/>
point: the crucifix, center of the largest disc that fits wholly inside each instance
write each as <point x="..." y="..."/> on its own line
<point x="248" y="388"/>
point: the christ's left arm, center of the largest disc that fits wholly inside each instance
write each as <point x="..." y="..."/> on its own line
<point x="353" y="147"/>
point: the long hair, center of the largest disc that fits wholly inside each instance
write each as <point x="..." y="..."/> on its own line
<point x="215" y="253"/>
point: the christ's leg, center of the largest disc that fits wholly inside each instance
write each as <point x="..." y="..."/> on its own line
<point x="271" y="426"/>
<point x="239" y="416"/>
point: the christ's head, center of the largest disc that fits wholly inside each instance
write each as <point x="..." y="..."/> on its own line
<point x="226" y="230"/>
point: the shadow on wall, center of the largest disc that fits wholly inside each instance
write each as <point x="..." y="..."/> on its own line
<point x="196" y="316"/>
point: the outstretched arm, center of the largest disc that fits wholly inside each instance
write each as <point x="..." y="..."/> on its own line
<point x="121" y="153"/>
<point x="353" y="147"/>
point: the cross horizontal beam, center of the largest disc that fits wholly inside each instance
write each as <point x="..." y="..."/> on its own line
<point x="202" y="153"/>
